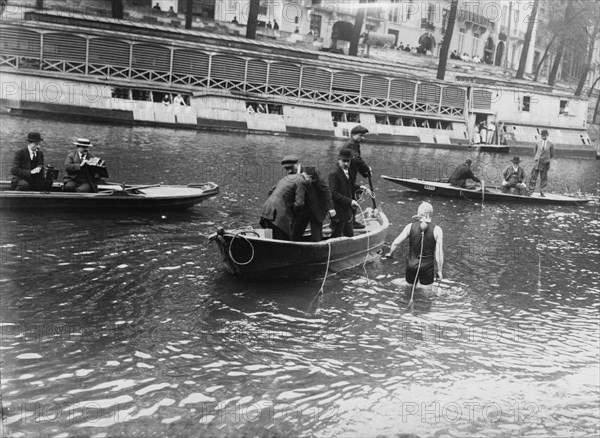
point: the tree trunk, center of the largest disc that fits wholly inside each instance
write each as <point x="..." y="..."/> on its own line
<point x="252" y="19"/>
<point x="189" y="13"/>
<point x="561" y="47"/>
<point x="586" y="68"/>
<point x="592" y="87"/>
<point x="117" y="9"/>
<point x="358" y="24"/>
<point x="544" y="56"/>
<point x="441" y="71"/>
<point x="527" y="43"/>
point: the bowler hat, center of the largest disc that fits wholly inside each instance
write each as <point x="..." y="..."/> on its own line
<point x="289" y="160"/>
<point x="545" y="132"/>
<point x="516" y="160"/>
<point x="345" y="154"/>
<point x="359" y="129"/>
<point x="468" y="161"/>
<point x="83" y="142"/>
<point x="34" y="137"/>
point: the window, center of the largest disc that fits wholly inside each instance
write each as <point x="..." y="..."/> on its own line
<point x="394" y="15"/>
<point x="475" y="44"/>
<point x="409" y="9"/>
<point x="461" y="40"/>
<point x="315" y="24"/>
<point x="564" y="108"/>
<point x="526" y="106"/>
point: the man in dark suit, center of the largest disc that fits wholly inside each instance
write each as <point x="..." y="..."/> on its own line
<point x="513" y="178"/>
<point x="342" y="189"/>
<point x="357" y="165"/>
<point x="28" y="165"/>
<point x="81" y="169"/>
<point x="543" y="152"/>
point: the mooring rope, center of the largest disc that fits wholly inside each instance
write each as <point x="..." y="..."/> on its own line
<point x="237" y="233"/>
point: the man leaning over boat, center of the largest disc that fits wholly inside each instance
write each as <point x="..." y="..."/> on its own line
<point x="462" y="173"/>
<point x="83" y="170"/>
<point x="28" y="166"/>
<point x="283" y="203"/>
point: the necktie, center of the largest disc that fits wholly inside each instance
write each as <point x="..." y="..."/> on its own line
<point x="33" y="155"/>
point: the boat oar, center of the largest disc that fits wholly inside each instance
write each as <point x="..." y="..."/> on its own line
<point x="127" y="189"/>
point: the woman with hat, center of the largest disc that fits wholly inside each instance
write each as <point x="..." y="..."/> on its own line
<point x="80" y="177"/>
<point x="514" y="178"/>
<point x="28" y="165"/>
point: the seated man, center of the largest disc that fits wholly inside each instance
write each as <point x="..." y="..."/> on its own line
<point x="514" y="178"/>
<point x="28" y="165"/>
<point x="82" y="169"/>
<point x="461" y="174"/>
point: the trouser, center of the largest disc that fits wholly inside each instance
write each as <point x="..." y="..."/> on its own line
<point x="300" y="223"/>
<point x="74" y="186"/>
<point x="541" y="169"/>
<point x="519" y="187"/>
<point x="278" y="233"/>
<point x="342" y="228"/>
<point x="36" y="184"/>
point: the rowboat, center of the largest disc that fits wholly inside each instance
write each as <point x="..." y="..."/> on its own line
<point x="491" y="193"/>
<point x="252" y="254"/>
<point x="110" y="197"/>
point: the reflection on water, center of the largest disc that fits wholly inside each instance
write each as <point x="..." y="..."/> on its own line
<point x="127" y="325"/>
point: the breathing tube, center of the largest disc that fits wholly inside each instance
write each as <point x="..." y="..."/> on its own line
<point x="423" y="226"/>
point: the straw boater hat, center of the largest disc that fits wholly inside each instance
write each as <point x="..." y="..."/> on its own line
<point x="83" y="142"/>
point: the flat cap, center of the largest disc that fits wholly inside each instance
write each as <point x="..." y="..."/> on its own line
<point x="289" y="159"/>
<point x="359" y="129"/>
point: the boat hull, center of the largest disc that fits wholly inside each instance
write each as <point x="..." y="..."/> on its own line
<point x="491" y="193"/>
<point x="247" y="254"/>
<point x="110" y="198"/>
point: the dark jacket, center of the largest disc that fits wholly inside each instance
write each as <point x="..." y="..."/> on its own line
<point x="22" y="166"/>
<point x="543" y="156"/>
<point x="461" y="174"/>
<point x="318" y="199"/>
<point x="357" y="165"/>
<point x="73" y="168"/>
<point x="284" y="202"/>
<point x="510" y="175"/>
<point x="341" y="194"/>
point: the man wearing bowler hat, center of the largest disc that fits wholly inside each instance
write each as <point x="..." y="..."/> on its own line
<point x="28" y="164"/>
<point x="357" y="164"/>
<point x="342" y="190"/>
<point x="543" y="152"/>
<point x="81" y="169"/>
<point x="514" y="178"/>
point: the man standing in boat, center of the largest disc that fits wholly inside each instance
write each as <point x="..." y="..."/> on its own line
<point x="514" y="178"/>
<point x="342" y="193"/>
<point x="357" y="165"/>
<point x="284" y="202"/>
<point x="425" y="245"/>
<point x="462" y="173"/>
<point x="543" y="152"/>
<point x="28" y="165"/>
<point x="82" y="169"/>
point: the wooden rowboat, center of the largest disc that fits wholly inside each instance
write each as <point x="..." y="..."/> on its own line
<point x="476" y="194"/>
<point x="110" y="197"/>
<point x="250" y="254"/>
